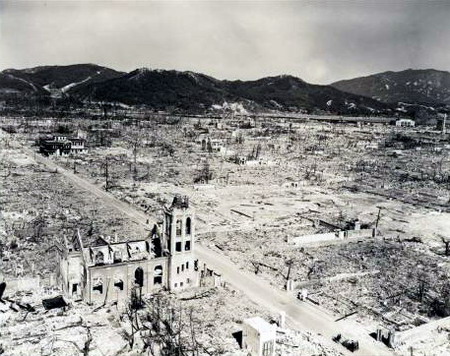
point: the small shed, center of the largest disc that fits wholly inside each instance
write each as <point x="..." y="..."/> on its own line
<point x="258" y="337"/>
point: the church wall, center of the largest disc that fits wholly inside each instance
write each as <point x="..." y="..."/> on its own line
<point x="109" y="275"/>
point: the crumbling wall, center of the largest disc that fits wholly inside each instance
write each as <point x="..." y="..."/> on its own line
<point x="332" y="236"/>
<point x="306" y="239"/>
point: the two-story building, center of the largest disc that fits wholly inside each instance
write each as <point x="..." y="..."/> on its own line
<point x="106" y="270"/>
<point x="61" y="145"/>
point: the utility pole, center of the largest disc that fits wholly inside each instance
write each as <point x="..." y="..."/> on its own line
<point x="378" y="220"/>
<point x="106" y="174"/>
<point x="444" y="119"/>
<point x="289" y="264"/>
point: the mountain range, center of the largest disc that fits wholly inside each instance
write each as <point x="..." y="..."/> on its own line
<point x="426" y="86"/>
<point x="195" y="92"/>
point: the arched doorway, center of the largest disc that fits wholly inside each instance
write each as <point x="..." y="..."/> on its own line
<point x="139" y="277"/>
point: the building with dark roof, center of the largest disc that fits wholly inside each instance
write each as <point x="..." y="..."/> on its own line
<point x="61" y="145"/>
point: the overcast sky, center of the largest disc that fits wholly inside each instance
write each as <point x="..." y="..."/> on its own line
<point x="318" y="41"/>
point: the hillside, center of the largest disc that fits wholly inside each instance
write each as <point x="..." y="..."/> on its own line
<point x="11" y="84"/>
<point x="53" y="80"/>
<point x="428" y="86"/>
<point x="385" y="93"/>
<point x="161" y="89"/>
<point x="156" y="88"/>
<point x="285" y="92"/>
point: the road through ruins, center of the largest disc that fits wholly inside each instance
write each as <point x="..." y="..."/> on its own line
<point x="300" y="315"/>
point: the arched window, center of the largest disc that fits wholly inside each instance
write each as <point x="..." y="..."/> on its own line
<point x="117" y="256"/>
<point x="188" y="226"/>
<point x="99" y="258"/>
<point x="139" y="277"/>
<point x="178" y="228"/>
<point x="157" y="274"/>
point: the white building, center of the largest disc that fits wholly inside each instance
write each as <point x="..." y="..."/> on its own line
<point x="258" y="337"/>
<point x="111" y="271"/>
<point x="62" y="145"/>
<point x="405" y="123"/>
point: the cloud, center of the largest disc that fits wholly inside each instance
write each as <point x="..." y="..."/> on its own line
<point x="318" y="41"/>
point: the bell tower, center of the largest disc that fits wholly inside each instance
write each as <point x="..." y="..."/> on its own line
<point x="179" y="241"/>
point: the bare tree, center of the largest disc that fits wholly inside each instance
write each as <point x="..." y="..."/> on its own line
<point x="171" y="330"/>
<point x="131" y="313"/>
<point x="106" y="173"/>
<point x="135" y="144"/>
<point x="447" y="245"/>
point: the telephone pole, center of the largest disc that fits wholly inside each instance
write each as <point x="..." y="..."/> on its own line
<point x="378" y="220"/>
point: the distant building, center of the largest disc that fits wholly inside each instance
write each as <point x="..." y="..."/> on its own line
<point x="405" y="123"/>
<point x="211" y="145"/>
<point x="104" y="270"/>
<point x="441" y="123"/>
<point x="61" y="145"/>
<point x="240" y="160"/>
<point x="258" y="337"/>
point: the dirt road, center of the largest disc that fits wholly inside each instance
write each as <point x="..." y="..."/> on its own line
<point x="300" y="315"/>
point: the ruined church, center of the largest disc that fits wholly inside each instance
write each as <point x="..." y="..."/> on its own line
<point x="108" y="271"/>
